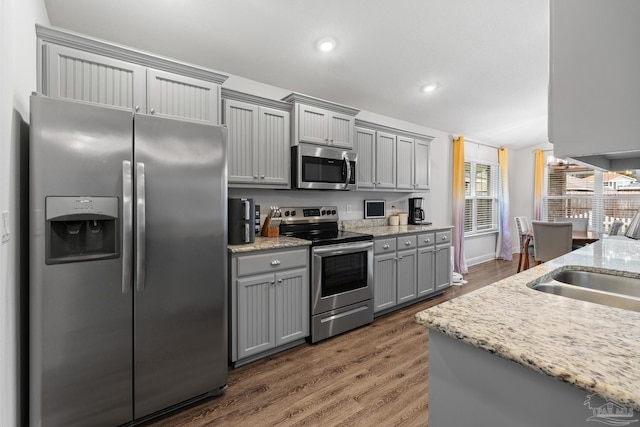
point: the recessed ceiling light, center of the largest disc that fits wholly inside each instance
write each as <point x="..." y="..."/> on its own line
<point x="326" y="44"/>
<point x="429" y="87"/>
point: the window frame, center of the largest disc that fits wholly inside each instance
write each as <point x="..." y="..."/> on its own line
<point x="493" y="187"/>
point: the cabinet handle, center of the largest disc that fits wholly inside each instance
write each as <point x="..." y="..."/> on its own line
<point x="262" y="177"/>
<point x="152" y="111"/>
<point x="275" y="262"/>
<point x="444" y="238"/>
<point x="386" y="246"/>
<point x="279" y="280"/>
<point x="272" y="282"/>
<point x="407" y="243"/>
<point x="399" y="258"/>
<point x="137" y="108"/>
<point x="427" y="240"/>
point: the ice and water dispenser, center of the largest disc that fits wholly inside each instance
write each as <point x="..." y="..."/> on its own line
<point x="81" y="229"/>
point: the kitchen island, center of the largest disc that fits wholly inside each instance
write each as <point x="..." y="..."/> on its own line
<point x="589" y="353"/>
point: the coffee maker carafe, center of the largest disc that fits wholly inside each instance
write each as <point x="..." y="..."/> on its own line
<point x="416" y="213"/>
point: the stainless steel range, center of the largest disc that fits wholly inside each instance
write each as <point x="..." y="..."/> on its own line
<point x="341" y="270"/>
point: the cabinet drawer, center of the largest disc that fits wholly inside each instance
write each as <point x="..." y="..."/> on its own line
<point x="384" y="246"/>
<point x="426" y="239"/>
<point x="407" y="242"/>
<point x="443" y="237"/>
<point x="273" y="261"/>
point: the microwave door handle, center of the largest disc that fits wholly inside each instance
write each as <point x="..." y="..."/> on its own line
<point x="348" y="166"/>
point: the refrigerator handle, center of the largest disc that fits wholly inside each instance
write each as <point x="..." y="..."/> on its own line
<point x="127" y="226"/>
<point x="140" y="227"/>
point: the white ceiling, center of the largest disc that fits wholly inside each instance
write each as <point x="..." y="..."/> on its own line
<point x="490" y="57"/>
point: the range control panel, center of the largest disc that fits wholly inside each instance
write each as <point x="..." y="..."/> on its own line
<point x="310" y="214"/>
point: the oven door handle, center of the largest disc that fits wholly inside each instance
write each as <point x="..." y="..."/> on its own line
<point x="342" y="249"/>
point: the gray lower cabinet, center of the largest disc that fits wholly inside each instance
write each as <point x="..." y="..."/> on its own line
<point x="426" y="264"/>
<point x="410" y="267"/>
<point x="443" y="267"/>
<point x="269" y="302"/>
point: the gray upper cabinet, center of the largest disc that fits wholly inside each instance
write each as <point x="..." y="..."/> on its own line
<point x="392" y="160"/>
<point x="404" y="163"/>
<point x="322" y="122"/>
<point x="366" y="148"/>
<point x="385" y="160"/>
<point x="259" y="146"/>
<point x="84" y="76"/>
<point x="421" y="164"/>
<point x="89" y="70"/>
<point x="173" y="95"/>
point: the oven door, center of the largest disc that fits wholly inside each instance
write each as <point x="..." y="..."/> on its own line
<point x="342" y="274"/>
<point x="323" y="168"/>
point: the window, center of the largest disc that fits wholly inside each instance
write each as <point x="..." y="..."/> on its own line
<point x="574" y="191"/>
<point x="481" y="197"/>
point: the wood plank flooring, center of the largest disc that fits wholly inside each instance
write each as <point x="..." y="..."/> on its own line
<point x="373" y="376"/>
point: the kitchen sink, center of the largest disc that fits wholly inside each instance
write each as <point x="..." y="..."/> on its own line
<point x="600" y="288"/>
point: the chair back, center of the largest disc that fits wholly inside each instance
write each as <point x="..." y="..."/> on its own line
<point x="551" y="239"/>
<point x="616" y="227"/>
<point x="522" y="225"/>
<point x="579" y="224"/>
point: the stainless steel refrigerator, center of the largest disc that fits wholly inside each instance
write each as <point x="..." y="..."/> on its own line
<point x="128" y="237"/>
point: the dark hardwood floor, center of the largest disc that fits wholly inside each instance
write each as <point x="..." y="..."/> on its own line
<point x="373" y="376"/>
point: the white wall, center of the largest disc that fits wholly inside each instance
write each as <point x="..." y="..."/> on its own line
<point x="17" y="81"/>
<point x="522" y="181"/>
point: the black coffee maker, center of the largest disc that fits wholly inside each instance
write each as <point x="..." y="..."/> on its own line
<point x="416" y="213"/>
<point x="241" y="221"/>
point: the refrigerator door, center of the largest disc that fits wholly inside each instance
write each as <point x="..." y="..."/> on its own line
<point x="180" y="320"/>
<point x="80" y="367"/>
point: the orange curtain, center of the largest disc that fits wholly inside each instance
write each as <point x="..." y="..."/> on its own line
<point x="503" y="251"/>
<point x="539" y="185"/>
<point x="459" y="263"/>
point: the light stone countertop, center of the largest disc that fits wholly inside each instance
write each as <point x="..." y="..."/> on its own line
<point x="393" y="230"/>
<point x="591" y="346"/>
<point x="267" y="243"/>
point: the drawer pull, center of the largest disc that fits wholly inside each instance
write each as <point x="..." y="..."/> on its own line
<point x="385" y="246"/>
<point x="275" y="262"/>
<point x="427" y="240"/>
<point x="407" y="243"/>
<point x="444" y="237"/>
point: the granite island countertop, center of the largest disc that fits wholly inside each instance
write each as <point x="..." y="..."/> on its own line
<point x="591" y="346"/>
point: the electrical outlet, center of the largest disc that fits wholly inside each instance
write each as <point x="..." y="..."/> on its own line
<point x="5" y="226"/>
<point x="348" y="208"/>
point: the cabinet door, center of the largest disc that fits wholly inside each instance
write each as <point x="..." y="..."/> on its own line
<point x="341" y="130"/>
<point x="274" y="149"/>
<point x="384" y="281"/>
<point x="426" y="273"/>
<point x="366" y="149"/>
<point x="256" y="314"/>
<point x="421" y="164"/>
<point x="385" y="160"/>
<point x="404" y="163"/>
<point x="406" y="276"/>
<point x="83" y="76"/>
<point x="173" y="95"/>
<point x="443" y="267"/>
<point x="242" y="124"/>
<point x="313" y="124"/>
<point x="292" y="305"/>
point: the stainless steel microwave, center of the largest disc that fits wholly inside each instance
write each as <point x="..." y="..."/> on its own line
<point x="323" y="168"/>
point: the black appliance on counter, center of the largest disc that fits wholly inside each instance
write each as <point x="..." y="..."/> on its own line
<point x="241" y="221"/>
<point x="416" y="213"/>
<point x="341" y="274"/>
